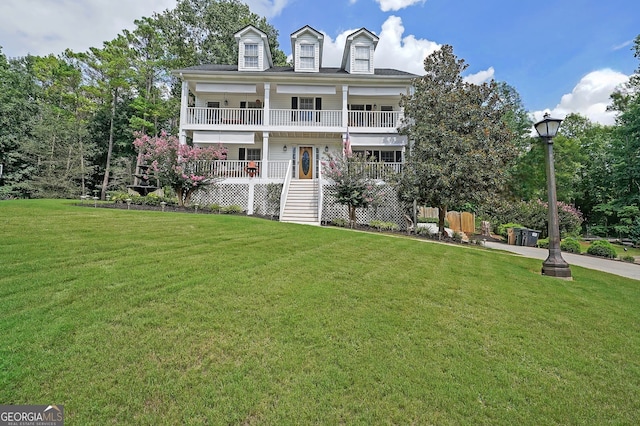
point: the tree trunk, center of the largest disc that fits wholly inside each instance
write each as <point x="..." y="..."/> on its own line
<point x="352" y="216"/>
<point x="442" y="213"/>
<point x="107" y="170"/>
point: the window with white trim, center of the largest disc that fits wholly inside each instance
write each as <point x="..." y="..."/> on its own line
<point x="362" y="58"/>
<point x="253" y="154"/>
<point x="251" y="55"/>
<point x="307" y="56"/>
<point x="306" y="103"/>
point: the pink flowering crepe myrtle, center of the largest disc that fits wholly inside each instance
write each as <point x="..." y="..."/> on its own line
<point x="173" y="163"/>
<point x="353" y="186"/>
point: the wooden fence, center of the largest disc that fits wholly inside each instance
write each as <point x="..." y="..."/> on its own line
<point x="458" y="221"/>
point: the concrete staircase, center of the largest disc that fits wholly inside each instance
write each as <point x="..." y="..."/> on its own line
<point x="301" y="205"/>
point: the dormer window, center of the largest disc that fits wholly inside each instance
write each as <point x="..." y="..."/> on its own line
<point x="307" y="56"/>
<point x="358" y="52"/>
<point x="306" y="47"/>
<point x="251" y="55"/>
<point x="362" y="58"/>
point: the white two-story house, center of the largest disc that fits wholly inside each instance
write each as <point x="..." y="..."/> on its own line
<point x="278" y="122"/>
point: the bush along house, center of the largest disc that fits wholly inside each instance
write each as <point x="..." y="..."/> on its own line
<point x="278" y="124"/>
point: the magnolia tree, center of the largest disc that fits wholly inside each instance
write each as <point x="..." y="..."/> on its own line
<point x="354" y="184"/>
<point x="173" y="163"/>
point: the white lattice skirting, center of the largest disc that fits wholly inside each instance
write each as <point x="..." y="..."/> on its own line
<point x="264" y="199"/>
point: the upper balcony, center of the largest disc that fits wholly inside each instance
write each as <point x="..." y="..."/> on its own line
<point x="204" y="118"/>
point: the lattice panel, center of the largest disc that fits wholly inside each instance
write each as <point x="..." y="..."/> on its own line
<point x="224" y="195"/>
<point x="388" y="209"/>
<point x="266" y="199"/>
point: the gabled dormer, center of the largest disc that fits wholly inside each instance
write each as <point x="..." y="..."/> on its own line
<point x="253" y="50"/>
<point x="358" y="52"/>
<point x="306" y="47"/>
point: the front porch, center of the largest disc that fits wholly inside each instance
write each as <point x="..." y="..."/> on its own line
<point x="270" y="171"/>
<point x="279" y="189"/>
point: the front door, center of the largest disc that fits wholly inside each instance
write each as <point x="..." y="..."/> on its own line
<point x="305" y="170"/>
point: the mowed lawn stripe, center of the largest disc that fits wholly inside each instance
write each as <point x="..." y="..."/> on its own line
<point x="139" y="317"/>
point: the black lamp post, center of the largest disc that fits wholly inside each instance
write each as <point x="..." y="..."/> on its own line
<point x="555" y="265"/>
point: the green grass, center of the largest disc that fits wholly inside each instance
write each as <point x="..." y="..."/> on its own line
<point x="131" y="317"/>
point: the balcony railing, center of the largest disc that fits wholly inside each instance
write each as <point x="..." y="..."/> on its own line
<point x="305" y="118"/>
<point x="292" y="117"/>
<point x="374" y="118"/>
<point x="245" y="116"/>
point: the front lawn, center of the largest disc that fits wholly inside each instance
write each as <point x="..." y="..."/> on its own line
<point x="137" y="317"/>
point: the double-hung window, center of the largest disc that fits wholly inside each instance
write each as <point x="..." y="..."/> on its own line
<point x="307" y="56"/>
<point x="306" y="103"/>
<point x="251" y="55"/>
<point x="362" y="58"/>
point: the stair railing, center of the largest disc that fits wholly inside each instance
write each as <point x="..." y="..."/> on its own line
<point x="285" y="189"/>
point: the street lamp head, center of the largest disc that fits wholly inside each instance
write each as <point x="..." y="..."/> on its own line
<point x="548" y="127"/>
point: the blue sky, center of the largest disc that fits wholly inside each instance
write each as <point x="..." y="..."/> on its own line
<point x="564" y="56"/>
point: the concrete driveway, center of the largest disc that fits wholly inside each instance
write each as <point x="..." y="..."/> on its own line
<point x="624" y="269"/>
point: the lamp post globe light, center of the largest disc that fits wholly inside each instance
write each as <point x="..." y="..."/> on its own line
<point x="555" y="265"/>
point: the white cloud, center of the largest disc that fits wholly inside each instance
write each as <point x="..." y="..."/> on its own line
<point x="481" y="76"/>
<point x="393" y="51"/>
<point x="403" y="53"/>
<point x="590" y="97"/>
<point x="41" y="27"/>
<point x="267" y="8"/>
<point x="394" y="5"/>
<point x="622" y="45"/>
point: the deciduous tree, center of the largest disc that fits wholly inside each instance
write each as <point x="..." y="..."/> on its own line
<point x="354" y="185"/>
<point x="172" y="163"/>
<point x="460" y="142"/>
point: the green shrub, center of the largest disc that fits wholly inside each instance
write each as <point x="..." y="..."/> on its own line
<point x="543" y="243"/>
<point x="421" y="230"/>
<point x="383" y="226"/>
<point x="339" y="222"/>
<point x="120" y="196"/>
<point x="216" y="208"/>
<point x="376" y="224"/>
<point x="570" y="245"/>
<point x="232" y="209"/>
<point x="503" y="229"/>
<point x="627" y="258"/>
<point x="602" y="248"/>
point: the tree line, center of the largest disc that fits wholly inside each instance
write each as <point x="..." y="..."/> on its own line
<point x="67" y="124"/>
<point x="67" y="121"/>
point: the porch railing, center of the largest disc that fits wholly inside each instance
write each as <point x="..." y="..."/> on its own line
<point x="381" y="171"/>
<point x="246" y="116"/>
<point x="239" y="169"/>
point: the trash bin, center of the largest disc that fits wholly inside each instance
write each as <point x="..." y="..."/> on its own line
<point x="530" y="237"/>
<point x="511" y="237"/>
<point x="519" y="234"/>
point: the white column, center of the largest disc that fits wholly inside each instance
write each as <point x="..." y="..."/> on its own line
<point x="251" y="197"/>
<point x="184" y="102"/>
<point x="265" y="155"/>
<point x="345" y="110"/>
<point x="267" y="104"/>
